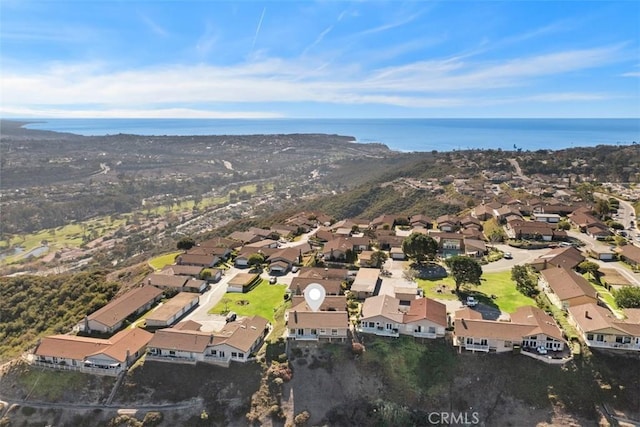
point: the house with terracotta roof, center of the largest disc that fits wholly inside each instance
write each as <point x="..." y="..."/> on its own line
<point x="601" y="329"/>
<point x="531" y="230"/>
<point x="528" y="328"/>
<point x="385" y="315"/>
<point x="111" y="317"/>
<point x="629" y="254"/>
<point x="448" y="223"/>
<point x="566" y="288"/>
<point x="186" y="343"/>
<point x="281" y="261"/>
<point x="182" y="270"/>
<point x="330" y="323"/>
<point x="567" y="257"/>
<point x="172" y="310"/>
<point x="172" y="283"/>
<point x="92" y="355"/>
<point x="421" y="220"/>
<point x="198" y="259"/>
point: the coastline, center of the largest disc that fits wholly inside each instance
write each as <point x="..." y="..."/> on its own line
<point x="402" y="135"/>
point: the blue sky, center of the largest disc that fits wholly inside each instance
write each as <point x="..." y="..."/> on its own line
<point x="327" y="58"/>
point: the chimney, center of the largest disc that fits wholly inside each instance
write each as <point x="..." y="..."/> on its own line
<point x="295" y="316"/>
<point x="586" y="314"/>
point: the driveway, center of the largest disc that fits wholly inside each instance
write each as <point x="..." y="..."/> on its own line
<point x="208" y="300"/>
<point x="520" y="257"/>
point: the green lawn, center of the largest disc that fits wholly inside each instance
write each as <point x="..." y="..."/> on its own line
<point x="262" y="300"/>
<point x="499" y="284"/>
<point x="164" y="260"/>
<point x="607" y="297"/>
<point x="66" y="236"/>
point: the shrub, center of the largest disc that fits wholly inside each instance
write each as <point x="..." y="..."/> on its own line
<point x="27" y="411"/>
<point x="152" y="419"/>
<point x="302" y="418"/>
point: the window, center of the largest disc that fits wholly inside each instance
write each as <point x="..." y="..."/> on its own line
<point x="507" y="344"/>
<point x="590" y="337"/>
<point x="214" y="352"/>
<point x="600" y="338"/>
<point x="372" y="325"/>
<point x="470" y="341"/>
<point x="293" y="332"/>
<point x="483" y="341"/>
<point x="432" y="330"/>
<point x="314" y="332"/>
<point x="334" y="332"/>
<point x="300" y="331"/>
<point x="623" y="340"/>
<point x="323" y="331"/>
<point x="172" y="353"/>
<point x="234" y="354"/>
<point x="389" y="326"/>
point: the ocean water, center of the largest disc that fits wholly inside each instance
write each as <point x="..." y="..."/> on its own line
<point x="398" y="134"/>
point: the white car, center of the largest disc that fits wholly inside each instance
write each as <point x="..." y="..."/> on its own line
<point x="541" y="350"/>
<point x="471" y="301"/>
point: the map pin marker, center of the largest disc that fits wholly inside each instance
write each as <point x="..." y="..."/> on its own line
<point x="314" y="295"/>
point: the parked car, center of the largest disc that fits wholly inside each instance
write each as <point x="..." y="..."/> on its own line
<point x="295" y="269"/>
<point x="273" y="280"/>
<point x="541" y="350"/>
<point x="231" y="316"/>
<point x="507" y="255"/>
<point x="471" y="301"/>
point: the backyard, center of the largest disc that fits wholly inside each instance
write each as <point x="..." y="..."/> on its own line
<point x="263" y="300"/>
<point x="163" y="260"/>
<point x="507" y="298"/>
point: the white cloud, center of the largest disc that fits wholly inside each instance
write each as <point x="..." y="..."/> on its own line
<point x="424" y="84"/>
<point x="165" y="113"/>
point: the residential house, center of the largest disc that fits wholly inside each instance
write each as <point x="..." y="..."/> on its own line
<point x="366" y="283"/>
<point x="470" y="222"/>
<point x="323" y="273"/>
<point x="199" y="260"/>
<point x="384" y="315"/>
<point x="475" y="248"/>
<point x="601" y="329"/>
<point x="629" y="254"/>
<point x="528" y="328"/>
<point x="566" y="288"/>
<point x="506" y="212"/>
<point x="529" y="230"/>
<point x="183" y="270"/>
<point x="323" y="235"/>
<point x="111" y="317"/>
<point x="546" y="217"/>
<point x="92" y="355"/>
<point x="281" y="261"/>
<point x="303" y="324"/>
<point x="482" y="212"/>
<point x="449" y="244"/>
<point x="186" y="343"/>
<point x="383" y="221"/>
<point x="448" y="223"/>
<point x="565" y="257"/>
<point x="172" y="310"/>
<point x="331" y="286"/>
<point x="243" y="282"/>
<point x="176" y="283"/>
<point x="421" y="221"/>
<point x="396" y="253"/>
<point x="381" y="315"/>
<point x="244" y="237"/>
<point x="261" y="244"/>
